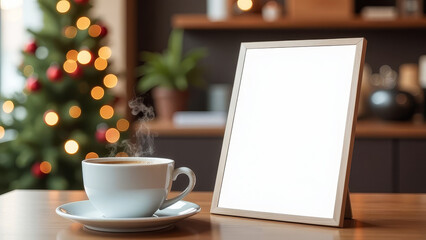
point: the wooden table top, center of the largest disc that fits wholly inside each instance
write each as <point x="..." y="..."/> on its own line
<point x="30" y="214"/>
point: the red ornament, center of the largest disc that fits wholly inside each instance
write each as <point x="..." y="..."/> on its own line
<point x="81" y="1"/>
<point x="54" y="73"/>
<point x="77" y="73"/>
<point x="35" y="170"/>
<point x="31" y="47"/>
<point x="104" y="31"/>
<point x="100" y="135"/>
<point x="33" y="84"/>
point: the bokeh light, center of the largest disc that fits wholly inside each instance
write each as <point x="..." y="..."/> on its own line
<point x="122" y="125"/>
<point x="83" y="23"/>
<point x="8" y="106"/>
<point x="1" y="132"/>
<point x="101" y="64"/>
<point x="97" y="92"/>
<point x="70" y="32"/>
<point x="122" y="154"/>
<point x="71" y="146"/>
<point x="91" y="155"/>
<point x="245" y="5"/>
<point x="95" y="30"/>
<point x="28" y="70"/>
<point x="70" y="66"/>
<point x="75" y="111"/>
<point x="84" y="57"/>
<point x="51" y="118"/>
<point x="63" y="6"/>
<point x="112" y="135"/>
<point x="110" y="80"/>
<point x="104" y="52"/>
<point x="45" y="167"/>
<point x="106" y="112"/>
<point x="72" y="55"/>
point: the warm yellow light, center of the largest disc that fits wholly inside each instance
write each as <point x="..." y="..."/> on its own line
<point x="63" y="6"/>
<point x="122" y="154"/>
<point x="83" y="23"/>
<point x="106" y="112"/>
<point x="72" y="55"/>
<point x="1" y="132"/>
<point x="8" y="106"/>
<point x="101" y="64"/>
<point x="91" y="155"/>
<point x="71" y="146"/>
<point x="122" y="125"/>
<point x="84" y="57"/>
<point x="45" y="167"/>
<point x="95" y="30"/>
<point x="110" y="80"/>
<point x="112" y="135"/>
<point x="75" y="111"/>
<point x="97" y="93"/>
<point x="245" y="5"/>
<point x="51" y="118"/>
<point x="70" y="66"/>
<point x="70" y="32"/>
<point x="28" y="70"/>
<point x="104" y="52"/>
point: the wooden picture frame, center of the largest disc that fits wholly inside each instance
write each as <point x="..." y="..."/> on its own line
<point x="289" y="135"/>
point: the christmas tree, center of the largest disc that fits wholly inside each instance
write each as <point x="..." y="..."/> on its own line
<point x="65" y="113"/>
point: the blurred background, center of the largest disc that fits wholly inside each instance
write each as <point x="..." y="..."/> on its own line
<point x="180" y="58"/>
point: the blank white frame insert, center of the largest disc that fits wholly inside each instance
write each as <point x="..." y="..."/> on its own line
<point x="288" y="141"/>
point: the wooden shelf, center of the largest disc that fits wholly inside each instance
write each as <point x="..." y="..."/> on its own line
<point x="381" y="129"/>
<point x="200" y="21"/>
<point x="365" y="129"/>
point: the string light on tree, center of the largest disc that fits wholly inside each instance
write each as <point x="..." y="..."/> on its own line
<point x="51" y="118"/>
<point x="71" y="147"/>
<point x="84" y="57"/>
<point x="70" y="66"/>
<point x="2" y="131"/>
<point x="45" y="167"/>
<point x="101" y="64"/>
<point x="8" y="106"/>
<point x="75" y="111"/>
<point x="70" y="32"/>
<point x="104" y="52"/>
<point x="122" y="125"/>
<point x="72" y="55"/>
<point x="63" y="6"/>
<point x="106" y="112"/>
<point x="28" y="70"/>
<point x="83" y="23"/>
<point x="91" y="155"/>
<point x="112" y="135"/>
<point x="110" y="80"/>
<point x="95" y="30"/>
<point x="97" y="93"/>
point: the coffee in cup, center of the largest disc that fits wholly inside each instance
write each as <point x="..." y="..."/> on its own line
<point x="129" y="187"/>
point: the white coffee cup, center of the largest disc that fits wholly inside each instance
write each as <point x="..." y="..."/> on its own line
<point x="128" y="187"/>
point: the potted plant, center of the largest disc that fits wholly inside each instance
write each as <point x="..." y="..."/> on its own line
<point x="169" y="75"/>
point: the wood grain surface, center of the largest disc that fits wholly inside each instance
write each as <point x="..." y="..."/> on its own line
<point x="30" y="214"/>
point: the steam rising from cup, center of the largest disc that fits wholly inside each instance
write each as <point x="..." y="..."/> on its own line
<point x="143" y="141"/>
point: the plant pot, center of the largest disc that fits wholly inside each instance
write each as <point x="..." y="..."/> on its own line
<point x="167" y="101"/>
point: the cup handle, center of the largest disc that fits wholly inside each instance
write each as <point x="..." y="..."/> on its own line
<point x="188" y="172"/>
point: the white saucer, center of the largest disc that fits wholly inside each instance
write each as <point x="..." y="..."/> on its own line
<point x="84" y="213"/>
